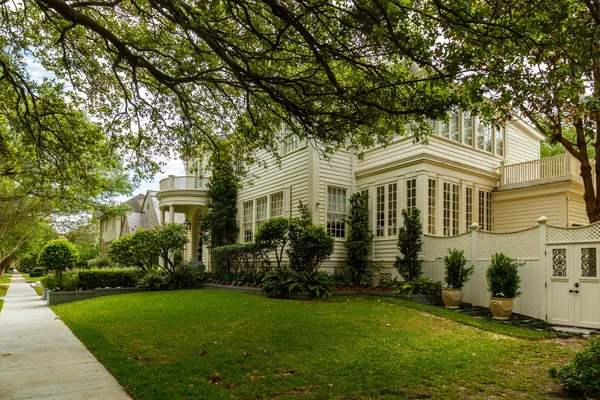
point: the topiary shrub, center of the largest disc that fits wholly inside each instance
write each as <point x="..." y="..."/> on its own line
<point x="410" y="243"/>
<point x="582" y="375"/>
<point x="503" y="276"/>
<point x="109" y="278"/>
<point x="59" y="255"/>
<point x="359" y="238"/>
<point x="456" y="273"/>
<point x="37" y="272"/>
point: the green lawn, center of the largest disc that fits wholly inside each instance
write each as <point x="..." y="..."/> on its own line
<point x="38" y="289"/>
<point x="217" y="345"/>
<point x="1" y="304"/>
<point x="29" y="279"/>
<point x="3" y="289"/>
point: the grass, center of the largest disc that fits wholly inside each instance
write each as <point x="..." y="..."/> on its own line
<point x="38" y="289"/>
<point x="217" y="345"/>
<point x="1" y="304"/>
<point x="30" y="279"/>
<point x="3" y="289"/>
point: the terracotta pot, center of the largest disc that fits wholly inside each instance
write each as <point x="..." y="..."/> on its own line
<point x="501" y="308"/>
<point x="452" y="297"/>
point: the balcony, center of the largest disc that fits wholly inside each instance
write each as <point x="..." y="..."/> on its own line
<point x="561" y="168"/>
<point x="182" y="192"/>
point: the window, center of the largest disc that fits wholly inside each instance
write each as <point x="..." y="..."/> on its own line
<point x="499" y="132"/>
<point x="431" y="207"/>
<point x="261" y="211"/>
<point x="380" y="211"/>
<point x="455" y="208"/>
<point x="451" y="208"/>
<point x="392" y="208"/>
<point x="247" y="224"/>
<point x="276" y="205"/>
<point x="449" y="129"/>
<point x="336" y="212"/>
<point x="467" y="128"/>
<point x="469" y="207"/>
<point x="411" y="195"/>
<point x="485" y="210"/>
<point x="290" y="143"/>
<point x="484" y="136"/>
<point x="480" y="139"/>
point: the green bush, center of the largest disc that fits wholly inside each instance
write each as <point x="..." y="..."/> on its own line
<point x="278" y="283"/>
<point x="420" y="286"/>
<point x="274" y="234"/>
<point x="70" y="280"/>
<point x="50" y="281"/>
<point x="186" y="276"/>
<point x="359" y="238"/>
<point x="503" y="276"/>
<point x="241" y="257"/>
<point x="59" y="255"/>
<point x="154" y="280"/>
<point x="99" y="262"/>
<point x="309" y="245"/>
<point x="409" y="243"/>
<point x="37" y="271"/>
<point x="582" y="375"/>
<point x="341" y="278"/>
<point x="456" y="273"/>
<point x="281" y="283"/>
<point x="108" y="278"/>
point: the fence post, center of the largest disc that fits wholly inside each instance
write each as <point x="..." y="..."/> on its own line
<point x="542" y="221"/>
<point x="474" y="228"/>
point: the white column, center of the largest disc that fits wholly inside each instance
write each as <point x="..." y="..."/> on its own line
<point x="171" y="214"/>
<point x="543" y="268"/>
<point x="474" y="250"/>
<point x="161" y="216"/>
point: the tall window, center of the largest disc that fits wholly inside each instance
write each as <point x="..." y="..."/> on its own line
<point x="480" y="138"/>
<point x="336" y="212"/>
<point x="431" y="206"/>
<point x="485" y="210"/>
<point x="411" y="195"/>
<point x="467" y="128"/>
<point x="449" y="129"/>
<point x="392" y="208"/>
<point x="291" y="143"/>
<point x="277" y="205"/>
<point x="380" y="199"/>
<point x="451" y="208"/>
<point x="261" y="211"/>
<point x="499" y="132"/>
<point x="247" y="222"/>
<point x="455" y="208"/>
<point x="469" y="207"/>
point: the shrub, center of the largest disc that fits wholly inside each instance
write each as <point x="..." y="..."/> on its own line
<point x="59" y="255"/>
<point x="359" y="238"/>
<point x="409" y="243"/>
<point x="108" y="278"/>
<point x="245" y="258"/>
<point x="99" y="262"/>
<point x="154" y="280"/>
<point x="341" y="278"/>
<point x="70" y="280"/>
<point x="274" y="234"/>
<point x="421" y="286"/>
<point x="135" y="250"/>
<point x="170" y="239"/>
<point x="186" y="276"/>
<point x="318" y="283"/>
<point x="582" y="375"/>
<point x="503" y="276"/>
<point x="37" y="271"/>
<point x="218" y="224"/>
<point x="456" y="273"/>
<point x="50" y="281"/>
<point x="278" y="283"/>
<point x="310" y="244"/>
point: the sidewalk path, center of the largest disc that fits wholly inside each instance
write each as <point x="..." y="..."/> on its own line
<point x="41" y="358"/>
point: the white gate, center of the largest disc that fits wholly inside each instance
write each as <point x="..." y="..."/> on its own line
<point x="574" y="284"/>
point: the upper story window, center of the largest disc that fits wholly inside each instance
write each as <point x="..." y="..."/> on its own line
<point x="277" y="205"/>
<point x="472" y="131"/>
<point x="336" y="212"/>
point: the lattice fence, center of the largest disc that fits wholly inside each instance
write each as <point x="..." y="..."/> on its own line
<point x="522" y="245"/>
<point x="586" y="233"/>
<point x="436" y="247"/>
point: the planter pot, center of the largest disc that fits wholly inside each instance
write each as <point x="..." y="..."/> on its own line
<point x="452" y="297"/>
<point x="501" y="308"/>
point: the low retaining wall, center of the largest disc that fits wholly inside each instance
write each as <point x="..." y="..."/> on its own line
<point x="66" y="297"/>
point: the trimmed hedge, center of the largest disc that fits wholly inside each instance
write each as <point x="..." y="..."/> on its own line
<point x="241" y="257"/>
<point x="108" y="278"/>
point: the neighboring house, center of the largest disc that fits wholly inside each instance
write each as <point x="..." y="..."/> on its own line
<point x="143" y="214"/>
<point x="469" y="172"/>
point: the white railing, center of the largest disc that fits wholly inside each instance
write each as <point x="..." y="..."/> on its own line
<point x="543" y="168"/>
<point x="183" y="183"/>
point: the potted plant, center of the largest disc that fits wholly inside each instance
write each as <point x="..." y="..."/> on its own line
<point x="503" y="284"/>
<point x="456" y="277"/>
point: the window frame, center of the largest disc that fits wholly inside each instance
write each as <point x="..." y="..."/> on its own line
<point x="339" y="231"/>
<point x="248" y="222"/>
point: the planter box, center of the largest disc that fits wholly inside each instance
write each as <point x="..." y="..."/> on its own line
<point x="45" y="293"/>
<point x="239" y="289"/>
<point x="109" y="292"/>
<point x="66" y="297"/>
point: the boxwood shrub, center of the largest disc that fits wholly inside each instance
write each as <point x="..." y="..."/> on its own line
<point x="109" y="278"/>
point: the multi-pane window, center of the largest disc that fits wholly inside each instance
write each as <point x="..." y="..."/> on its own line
<point x="277" y="205"/>
<point x="480" y="137"/>
<point x="380" y="201"/>
<point x="449" y="129"/>
<point x="451" y="208"/>
<point x="336" y="212"/>
<point x="392" y="208"/>
<point x="291" y="143"/>
<point x="485" y="210"/>
<point x="467" y="128"/>
<point x="469" y="207"/>
<point x="499" y="133"/>
<point x="411" y="195"/>
<point x="431" y="206"/>
<point x="261" y="211"/>
<point x="247" y="226"/>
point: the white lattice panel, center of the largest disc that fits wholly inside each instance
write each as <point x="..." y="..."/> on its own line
<point x="436" y="247"/>
<point x="521" y="245"/>
<point x="586" y="233"/>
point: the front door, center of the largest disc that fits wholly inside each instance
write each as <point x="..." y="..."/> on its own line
<point x="574" y="287"/>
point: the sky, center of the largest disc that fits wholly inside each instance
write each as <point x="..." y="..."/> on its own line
<point x="171" y="167"/>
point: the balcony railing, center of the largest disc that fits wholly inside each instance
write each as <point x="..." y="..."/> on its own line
<point x="561" y="166"/>
<point x="183" y="183"/>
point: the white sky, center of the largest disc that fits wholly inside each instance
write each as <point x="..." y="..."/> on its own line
<point x="172" y="166"/>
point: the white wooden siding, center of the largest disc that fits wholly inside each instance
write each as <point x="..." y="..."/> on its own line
<point x="520" y="213"/>
<point x="520" y="146"/>
<point x="577" y="212"/>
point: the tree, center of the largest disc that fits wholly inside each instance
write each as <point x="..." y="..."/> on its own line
<point x="170" y="238"/>
<point x="86" y="238"/>
<point x="182" y="75"/>
<point x="410" y="242"/>
<point x="274" y="233"/>
<point x="219" y="225"/>
<point x="310" y="244"/>
<point x="359" y="238"/>
<point x="540" y="58"/>
<point x="138" y="249"/>
<point x="59" y="255"/>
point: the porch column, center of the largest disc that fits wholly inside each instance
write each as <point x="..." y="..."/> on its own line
<point x="171" y="214"/>
<point x="161" y="216"/>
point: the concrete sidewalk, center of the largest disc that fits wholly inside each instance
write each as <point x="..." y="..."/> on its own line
<point x="41" y="358"/>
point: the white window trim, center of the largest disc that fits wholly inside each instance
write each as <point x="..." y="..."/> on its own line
<point x="327" y="186"/>
<point x="386" y="209"/>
